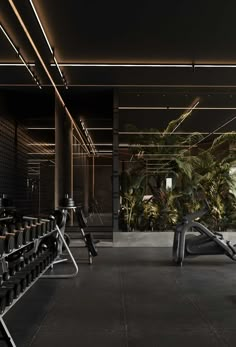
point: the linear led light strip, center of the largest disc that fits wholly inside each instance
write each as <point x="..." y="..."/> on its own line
<point x="158" y="171"/>
<point x="184" y="115"/>
<point x="105" y="151"/>
<point x="158" y="160"/>
<point x="171" y="108"/>
<point x="192" y="66"/>
<point x="47" y="72"/>
<point x="159" y="155"/>
<point x="152" y="145"/>
<point x="168" y="133"/>
<point x="210" y="134"/>
<point x="40" y="144"/>
<point x="41" y="128"/>
<point x="100" y="129"/>
<point x="20" y="56"/>
<point x="15" y="64"/>
<point x="121" y="145"/>
<point x="91" y="144"/>
<point x="49" y="46"/>
<point x="41" y="153"/>
<point x="151" y="164"/>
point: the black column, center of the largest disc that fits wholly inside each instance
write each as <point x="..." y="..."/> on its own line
<point x="86" y="184"/>
<point x="63" y="154"/>
<point x="115" y="164"/>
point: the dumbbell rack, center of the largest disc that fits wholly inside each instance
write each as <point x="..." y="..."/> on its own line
<point x="3" y="328"/>
<point x="89" y="244"/>
<point x="6" y="336"/>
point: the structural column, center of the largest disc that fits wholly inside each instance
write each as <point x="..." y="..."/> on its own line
<point x="63" y="154"/>
<point x="86" y="185"/>
<point x="115" y="164"/>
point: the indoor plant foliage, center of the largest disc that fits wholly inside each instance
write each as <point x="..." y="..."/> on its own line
<point x="196" y="171"/>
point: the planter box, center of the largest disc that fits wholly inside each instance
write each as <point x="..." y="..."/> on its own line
<point x="154" y="239"/>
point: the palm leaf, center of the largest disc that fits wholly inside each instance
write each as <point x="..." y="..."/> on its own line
<point x="176" y="122"/>
<point x="228" y="137"/>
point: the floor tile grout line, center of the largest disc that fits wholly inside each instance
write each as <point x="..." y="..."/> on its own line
<point x="218" y="336"/>
<point x="123" y="305"/>
<point x="43" y="320"/>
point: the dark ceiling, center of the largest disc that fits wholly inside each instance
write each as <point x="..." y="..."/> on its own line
<point x="126" y="32"/>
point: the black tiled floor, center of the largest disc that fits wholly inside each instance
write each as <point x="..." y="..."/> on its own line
<point x="131" y="297"/>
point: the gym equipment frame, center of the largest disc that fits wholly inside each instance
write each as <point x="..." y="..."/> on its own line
<point x="36" y="266"/>
<point x="206" y="243"/>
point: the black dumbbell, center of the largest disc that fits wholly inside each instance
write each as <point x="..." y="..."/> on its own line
<point x="39" y="231"/>
<point x="32" y="229"/>
<point x="26" y="233"/>
<point x="48" y="225"/>
<point x="23" y="280"/>
<point x="43" y="226"/>
<point x="18" y="235"/>
<point x="12" y="287"/>
<point x="9" y="241"/>
<point x="8" y="294"/>
<point x="15" y="284"/>
<point x="2" y="302"/>
<point x="5" y="276"/>
<point x="2" y="241"/>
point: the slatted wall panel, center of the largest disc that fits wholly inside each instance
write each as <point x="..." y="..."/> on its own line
<point x="31" y="190"/>
<point x="80" y="174"/>
<point x="7" y="158"/>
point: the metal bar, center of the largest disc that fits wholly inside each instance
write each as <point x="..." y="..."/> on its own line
<point x="71" y="257"/>
<point x="6" y="334"/>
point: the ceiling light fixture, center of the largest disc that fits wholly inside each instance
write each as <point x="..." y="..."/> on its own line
<point x="90" y="141"/>
<point x="168" y="133"/>
<point x="41" y="144"/>
<point x="158" y="154"/>
<point x="99" y="129"/>
<point x="49" y="46"/>
<point x="20" y="56"/>
<point x="15" y="64"/>
<point x="47" y="72"/>
<point x="105" y="151"/>
<point x="134" y="65"/>
<point x="38" y="161"/>
<point x="214" y="66"/>
<point x="40" y="128"/>
<point x="153" y="145"/>
<point x="172" y="108"/>
<point x="123" y="65"/>
<point x="41" y="153"/>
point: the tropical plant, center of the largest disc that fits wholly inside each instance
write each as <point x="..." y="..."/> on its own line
<point x="197" y="169"/>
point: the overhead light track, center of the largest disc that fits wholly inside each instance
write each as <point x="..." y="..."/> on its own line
<point x="134" y="65"/>
<point x="48" y="43"/>
<point x="88" y="136"/>
<point x="11" y="2"/>
<point x="172" y="108"/>
<point x="20" y="56"/>
<point x="99" y="129"/>
<point x="168" y="133"/>
<point x="15" y="64"/>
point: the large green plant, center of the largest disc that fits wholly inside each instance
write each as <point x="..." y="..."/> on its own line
<point x="196" y="171"/>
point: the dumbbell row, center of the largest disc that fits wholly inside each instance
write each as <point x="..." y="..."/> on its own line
<point x="13" y="286"/>
<point x="14" y="236"/>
